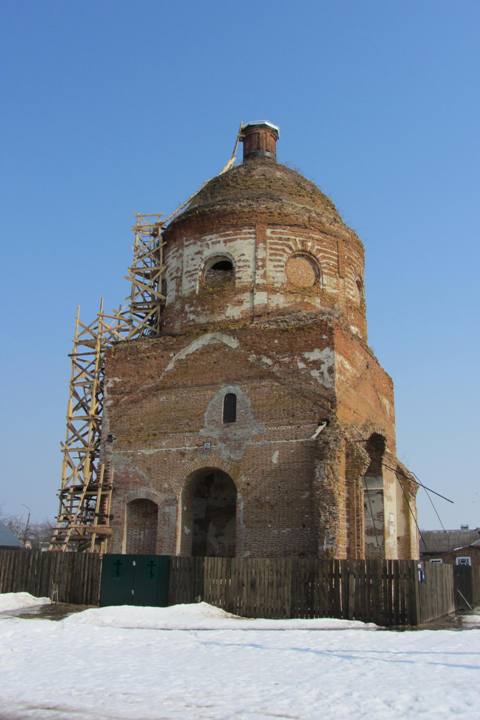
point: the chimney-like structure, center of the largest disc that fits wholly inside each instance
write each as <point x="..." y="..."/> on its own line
<point x="259" y="140"/>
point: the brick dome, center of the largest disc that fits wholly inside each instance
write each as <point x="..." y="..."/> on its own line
<point x="263" y="187"/>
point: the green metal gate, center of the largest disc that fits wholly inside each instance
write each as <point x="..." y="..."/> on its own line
<point x="135" y="580"/>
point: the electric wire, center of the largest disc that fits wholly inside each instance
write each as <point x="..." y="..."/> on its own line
<point x="411" y="511"/>
<point x="435" y="510"/>
<point x="417" y="482"/>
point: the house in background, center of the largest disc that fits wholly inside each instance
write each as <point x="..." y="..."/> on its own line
<point x="7" y="538"/>
<point x="458" y="547"/>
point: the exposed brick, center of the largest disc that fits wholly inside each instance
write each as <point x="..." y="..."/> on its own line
<point x="291" y="344"/>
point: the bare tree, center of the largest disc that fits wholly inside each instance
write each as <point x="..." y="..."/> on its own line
<point x="34" y="535"/>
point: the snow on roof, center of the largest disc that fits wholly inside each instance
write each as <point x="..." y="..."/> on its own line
<point x="7" y="538"/>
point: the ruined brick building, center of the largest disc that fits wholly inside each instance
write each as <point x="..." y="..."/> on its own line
<point x="259" y="422"/>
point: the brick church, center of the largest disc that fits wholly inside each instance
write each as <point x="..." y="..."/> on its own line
<point x="259" y="423"/>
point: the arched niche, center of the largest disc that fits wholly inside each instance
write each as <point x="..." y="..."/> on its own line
<point x="373" y="505"/>
<point x="142" y="521"/>
<point x="209" y="508"/>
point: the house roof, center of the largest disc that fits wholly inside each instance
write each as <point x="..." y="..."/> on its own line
<point x="7" y="538"/>
<point x="448" y="540"/>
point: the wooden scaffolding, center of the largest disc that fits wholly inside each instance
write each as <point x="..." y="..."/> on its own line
<point x="83" y="521"/>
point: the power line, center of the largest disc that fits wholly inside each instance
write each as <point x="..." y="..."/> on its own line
<point x="417" y="482"/>
<point x="436" y="511"/>
<point x="411" y="511"/>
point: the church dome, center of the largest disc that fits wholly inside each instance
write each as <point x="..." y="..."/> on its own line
<point x="260" y="189"/>
<point x="260" y="240"/>
<point x="262" y="185"/>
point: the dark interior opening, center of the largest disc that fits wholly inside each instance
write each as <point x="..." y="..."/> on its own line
<point x="222" y="265"/>
<point x="211" y="503"/>
<point x="220" y="272"/>
<point x="230" y="408"/>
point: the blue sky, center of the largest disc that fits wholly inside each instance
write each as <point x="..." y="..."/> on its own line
<point x="109" y="108"/>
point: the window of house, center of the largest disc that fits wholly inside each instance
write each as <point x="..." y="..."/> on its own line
<point x="438" y="561"/>
<point x="229" y="408"/>
<point x="219" y="272"/>
<point x="463" y="560"/>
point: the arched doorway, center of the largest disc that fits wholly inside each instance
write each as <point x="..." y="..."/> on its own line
<point x="142" y="520"/>
<point x="374" y="512"/>
<point x="209" y="506"/>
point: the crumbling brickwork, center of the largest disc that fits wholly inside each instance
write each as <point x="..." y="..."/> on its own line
<point x="264" y="304"/>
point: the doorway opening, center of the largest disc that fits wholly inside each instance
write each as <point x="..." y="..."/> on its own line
<point x="374" y="510"/>
<point x="209" y="508"/>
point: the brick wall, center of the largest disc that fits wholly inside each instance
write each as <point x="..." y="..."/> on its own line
<point x="286" y="335"/>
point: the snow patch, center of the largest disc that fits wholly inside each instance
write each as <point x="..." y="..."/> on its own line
<point x="197" y="616"/>
<point x="126" y="674"/>
<point x="19" y="600"/>
<point x="471" y="620"/>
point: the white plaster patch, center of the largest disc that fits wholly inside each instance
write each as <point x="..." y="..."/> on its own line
<point x="262" y="359"/>
<point x="231" y="438"/>
<point x="201" y="342"/>
<point x="233" y="312"/>
<point x="261" y="297"/>
<point x="344" y="364"/>
<point x="324" y="373"/>
<point x="275" y="457"/>
<point x="113" y="380"/>
<point x="316" y="354"/>
<point x="386" y="404"/>
<point x="196" y="253"/>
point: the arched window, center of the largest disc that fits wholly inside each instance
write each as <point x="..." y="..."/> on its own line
<point x="219" y="272"/>
<point x="229" y="408"/>
<point x="373" y="496"/>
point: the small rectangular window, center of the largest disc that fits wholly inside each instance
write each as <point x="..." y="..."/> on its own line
<point x="229" y="408"/>
<point x="463" y="560"/>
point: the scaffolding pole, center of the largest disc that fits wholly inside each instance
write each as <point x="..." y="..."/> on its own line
<point x="83" y="521"/>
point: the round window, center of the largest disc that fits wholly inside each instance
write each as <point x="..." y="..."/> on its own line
<point x="302" y="271"/>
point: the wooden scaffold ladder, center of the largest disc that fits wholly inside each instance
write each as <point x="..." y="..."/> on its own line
<point x="83" y="521"/>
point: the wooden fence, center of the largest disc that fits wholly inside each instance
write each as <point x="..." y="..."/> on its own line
<point x="467" y="586"/>
<point x="384" y="592"/>
<point x="475" y="586"/>
<point x="387" y="592"/>
<point x="436" y="592"/>
<point x="64" y="577"/>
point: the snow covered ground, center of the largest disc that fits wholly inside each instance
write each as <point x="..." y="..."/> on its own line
<point x="136" y="663"/>
<point x="19" y="601"/>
